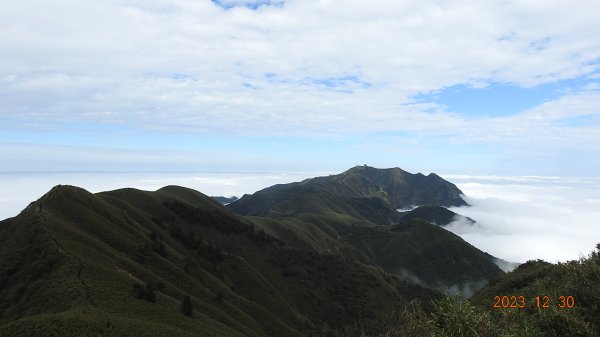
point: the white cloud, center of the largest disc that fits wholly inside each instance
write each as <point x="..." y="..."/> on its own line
<point x="251" y="4"/>
<point x="522" y="218"/>
<point x="193" y="66"/>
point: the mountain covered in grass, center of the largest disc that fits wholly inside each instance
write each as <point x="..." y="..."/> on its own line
<point x="121" y="263"/>
<point x="329" y="256"/>
<point x="305" y="258"/>
<point x="355" y="213"/>
<point x="363" y="193"/>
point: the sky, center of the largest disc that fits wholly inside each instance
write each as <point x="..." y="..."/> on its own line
<point x="296" y="86"/>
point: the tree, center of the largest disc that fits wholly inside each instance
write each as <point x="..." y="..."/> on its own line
<point x="186" y="306"/>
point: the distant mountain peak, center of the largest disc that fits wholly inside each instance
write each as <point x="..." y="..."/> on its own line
<point x="370" y="195"/>
<point x="367" y="168"/>
<point x="65" y="191"/>
<point x="415" y="189"/>
<point x="225" y="200"/>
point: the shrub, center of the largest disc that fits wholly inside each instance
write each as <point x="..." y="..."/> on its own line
<point x="456" y="318"/>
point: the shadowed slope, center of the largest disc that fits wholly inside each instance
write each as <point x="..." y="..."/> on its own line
<point x="362" y="195"/>
<point x="357" y="213"/>
<point x="438" y="215"/>
<point x="429" y="255"/>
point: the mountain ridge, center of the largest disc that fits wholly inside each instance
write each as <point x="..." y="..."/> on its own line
<point x="173" y="242"/>
<point x="359" y="206"/>
<point x="123" y="262"/>
<point x="368" y="195"/>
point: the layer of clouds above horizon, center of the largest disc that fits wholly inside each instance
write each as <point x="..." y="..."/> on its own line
<point x="467" y="87"/>
<point x="518" y="217"/>
<point x="521" y="218"/>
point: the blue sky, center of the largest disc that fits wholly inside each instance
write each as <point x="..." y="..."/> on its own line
<point x="300" y="86"/>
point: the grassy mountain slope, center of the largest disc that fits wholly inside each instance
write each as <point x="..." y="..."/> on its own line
<point x="362" y="195"/>
<point x="434" y="214"/>
<point x="120" y="263"/>
<point x="103" y="253"/>
<point x="405" y="189"/>
<point x="351" y="213"/>
<point x="429" y="255"/>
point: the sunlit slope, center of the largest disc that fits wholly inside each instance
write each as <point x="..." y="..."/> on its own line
<point x="74" y="263"/>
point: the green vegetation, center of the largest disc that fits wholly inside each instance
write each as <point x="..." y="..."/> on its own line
<point x="354" y="214"/>
<point x="174" y="262"/>
<point x="429" y="255"/>
<point x="121" y="262"/>
<point x="362" y="195"/>
<point x="451" y="316"/>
